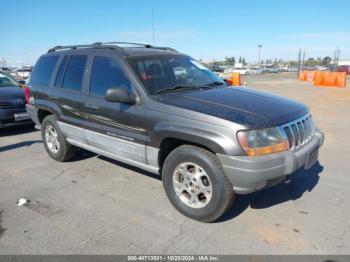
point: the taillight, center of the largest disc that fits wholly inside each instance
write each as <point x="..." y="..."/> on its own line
<point x="27" y="94"/>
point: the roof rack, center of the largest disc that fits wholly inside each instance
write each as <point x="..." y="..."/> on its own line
<point x="73" y="47"/>
<point x="136" y="44"/>
<point x="123" y="43"/>
<point x="112" y="45"/>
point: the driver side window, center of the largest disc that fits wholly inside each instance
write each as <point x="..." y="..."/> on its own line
<point x="107" y="73"/>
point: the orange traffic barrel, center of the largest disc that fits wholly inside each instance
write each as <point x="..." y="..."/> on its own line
<point x="236" y="79"/>
<point x="310" y="75"/>
<point x="318" y="78"/>
<point x="302" y="75"/>
<point x="340" y="80"/>
<point x="329" y="79"/>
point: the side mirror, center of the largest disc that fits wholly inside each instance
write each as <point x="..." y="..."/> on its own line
<point x="120" y="95"/>
<point x="21" y="83"/>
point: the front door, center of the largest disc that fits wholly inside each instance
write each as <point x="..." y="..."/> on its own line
<point x="117" y="129"/>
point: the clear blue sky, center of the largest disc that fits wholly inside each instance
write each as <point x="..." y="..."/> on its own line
<point x="204" y="29"/>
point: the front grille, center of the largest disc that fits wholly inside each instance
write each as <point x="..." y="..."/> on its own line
<point x="9" y="105"/>
<point x="299" y="132"/>
<point x="6" y="105"/>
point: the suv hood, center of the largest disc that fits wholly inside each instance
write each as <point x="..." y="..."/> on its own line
<point x="240" y="105"/>
<point x="10" y="93"/>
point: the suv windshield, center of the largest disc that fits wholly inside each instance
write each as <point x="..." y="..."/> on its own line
<point x="172" y="72"/>
<point x="6" y="81"/>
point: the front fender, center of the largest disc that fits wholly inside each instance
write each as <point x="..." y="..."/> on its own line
<point x="215" y="141"/>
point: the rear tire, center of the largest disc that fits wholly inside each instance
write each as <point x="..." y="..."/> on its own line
<point x="54" y="140"/>
<point x="196" y="184"/>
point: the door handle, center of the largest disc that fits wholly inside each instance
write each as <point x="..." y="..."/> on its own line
<point x="91" y="106"/>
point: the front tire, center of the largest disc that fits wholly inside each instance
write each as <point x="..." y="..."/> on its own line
<point x="195" y="183"/>
<point x="54" y="140"/>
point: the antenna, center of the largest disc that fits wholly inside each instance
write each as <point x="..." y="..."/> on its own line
<point x="153" y="25"/>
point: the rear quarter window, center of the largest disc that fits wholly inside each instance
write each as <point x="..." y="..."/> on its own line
<point x="73" y="77"/>
<point x="43" y="69"/>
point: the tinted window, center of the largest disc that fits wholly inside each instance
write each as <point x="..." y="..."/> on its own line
<point x="43" y="70"/>
<point x="160" y="73"/>
<point x="106" y="73"/>
<point x="73" y="77"/>
<point x="5" y="81"/>
<point x="59" y="76"/>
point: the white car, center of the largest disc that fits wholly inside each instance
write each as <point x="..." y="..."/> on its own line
<point x="24" y="72"/>
<point x="271" y="69"/>
<point x="256" y="70"/>
<point x="241" y="70"/>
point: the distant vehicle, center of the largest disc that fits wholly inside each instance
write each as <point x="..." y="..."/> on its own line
<point x="322" y="68"/>
<point x="271" y="69"/>
<point x="24" y="72"/>
<point x="12" y="103"/>
<point x="344" y="68"/>
<point x="293" y="69"/>
<point x="310" y="68"/>
<point x="284" y="68"/>
<point x="256" y="70"/>
<point x="241" y="70"/>
<point x="5" y="69"/>
<point x="216" y="68"/>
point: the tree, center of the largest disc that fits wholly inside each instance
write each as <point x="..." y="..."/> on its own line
<point x="326" y="60"/>
<point x="240" y="60"/>
<point x="319" y="60"/>
<point x="293" y="63"/>
<point x="311" y="62"/>
<point x="262" y="61"/>
<point x="243" y="61"/>
<point x="230" y="60"/>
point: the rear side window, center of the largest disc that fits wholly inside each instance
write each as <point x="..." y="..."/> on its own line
<point x="73" y="77"/>
<point x="107" y="73"/>
<point x="60" y="73"/>
<point x="43" y="70"/>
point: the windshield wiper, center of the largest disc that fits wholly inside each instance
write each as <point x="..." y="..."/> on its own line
<point x="176" y="88"/>
<point x="216" y="83"/>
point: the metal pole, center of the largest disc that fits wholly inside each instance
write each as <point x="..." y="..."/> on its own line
<point x="259" y="51"/>
<point x="303" y="61"/>
<point x="338" y="53"/>
<point x="299" y="61"/>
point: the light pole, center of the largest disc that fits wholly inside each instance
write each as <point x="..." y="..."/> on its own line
<point x="259" y="51"/>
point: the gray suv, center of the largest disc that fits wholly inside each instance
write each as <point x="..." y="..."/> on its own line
<point x="160" y="110"/>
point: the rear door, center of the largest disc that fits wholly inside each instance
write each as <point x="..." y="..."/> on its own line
<point x="67" y="94"/>
<point x="115" y="128"/>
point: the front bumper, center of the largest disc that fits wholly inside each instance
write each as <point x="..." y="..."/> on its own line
<point x="7" y="117"/>
<point x="249" y="174"/>
<point x="33" y="114"/>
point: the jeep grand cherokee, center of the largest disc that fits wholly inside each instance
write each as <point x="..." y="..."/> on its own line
<point x="162" y="111"/>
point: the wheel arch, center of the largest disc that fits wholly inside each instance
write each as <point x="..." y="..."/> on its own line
<point x="46" y="108"/>
<point x="167" y="137"/>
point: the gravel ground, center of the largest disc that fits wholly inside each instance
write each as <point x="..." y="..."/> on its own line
<point x="94" y="205"/>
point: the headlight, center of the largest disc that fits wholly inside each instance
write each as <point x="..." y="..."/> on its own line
<point x="263" y="141"/>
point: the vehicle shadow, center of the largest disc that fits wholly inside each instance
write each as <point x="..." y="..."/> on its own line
<point x="17" y="130"/>
<point x="18" y="145"/>
<point x="132" y="168"/>
<point x="82" y="154"/>
<point x="289" y="190"/>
